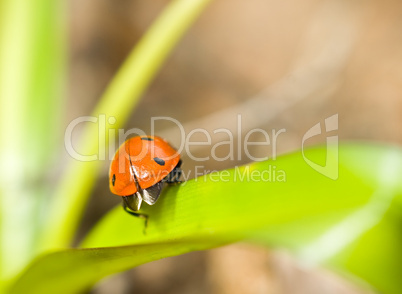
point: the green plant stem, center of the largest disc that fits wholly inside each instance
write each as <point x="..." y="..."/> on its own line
<point x="118" y="101"/>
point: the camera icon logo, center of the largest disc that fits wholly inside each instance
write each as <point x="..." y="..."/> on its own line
<point x="330" y="168"/>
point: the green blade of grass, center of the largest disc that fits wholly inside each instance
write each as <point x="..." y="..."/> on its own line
<point x="118" y="101"/>
<point x="32" y="59"/>
<point x="351" y="224"/>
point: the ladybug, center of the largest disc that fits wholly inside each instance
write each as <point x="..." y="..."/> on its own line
<point x="139" y="169"/>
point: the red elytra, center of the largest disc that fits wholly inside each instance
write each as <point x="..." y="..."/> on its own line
<point x="139" y="168"/>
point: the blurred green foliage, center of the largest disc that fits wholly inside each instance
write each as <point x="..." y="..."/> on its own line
<point x="352" y="224"/>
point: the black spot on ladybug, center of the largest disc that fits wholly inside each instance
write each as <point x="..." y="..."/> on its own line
<point x="113" y="179"/>
<point x="159" y="161"/>
<point x="146" y="139"/>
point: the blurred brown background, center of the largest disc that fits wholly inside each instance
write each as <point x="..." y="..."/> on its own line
<point x="281" y="64"/>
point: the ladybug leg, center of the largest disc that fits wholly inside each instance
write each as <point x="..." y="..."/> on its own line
<point x="140" y="215"/>
<point x="174" y="176"/>
<point x="128" y="207"/>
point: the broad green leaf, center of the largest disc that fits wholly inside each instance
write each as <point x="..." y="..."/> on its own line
<point x="351" y="224"/>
